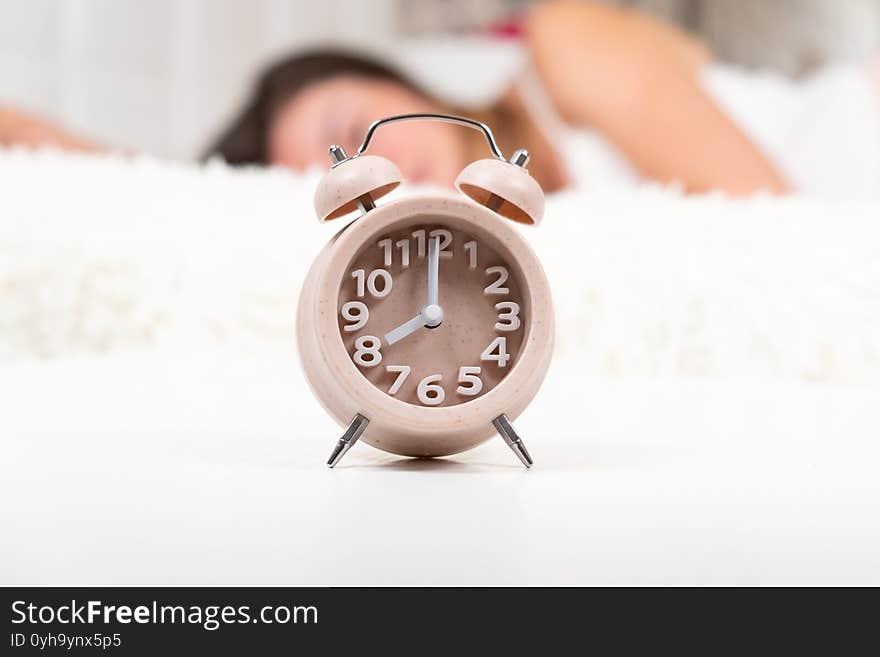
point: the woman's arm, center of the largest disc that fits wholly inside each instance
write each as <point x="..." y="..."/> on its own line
<point x="636" y="80"/>
<point x="20" y="129"/>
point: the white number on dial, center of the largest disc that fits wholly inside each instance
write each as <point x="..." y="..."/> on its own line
<point x="403" y="245"/>
<point x="369" y="283"/>
<point x="385" y="245"/>
<point x="367" y="352"/>
<point x="402" y="372"/>
<point x="430" y="392"/>
<point x="471" y="249"/>
<point x="419" y="236"/>
<point x="471" y="377"/>
<point x="357" y="312"/>
<point x="495" y="286"/>
<point x="445" y="241"/>
<point x="497" y="351"/>
<point x="410" y="247"/>
<point x="508" y="320"/>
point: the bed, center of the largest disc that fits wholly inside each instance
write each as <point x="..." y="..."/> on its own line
<point x="711" y="414"/>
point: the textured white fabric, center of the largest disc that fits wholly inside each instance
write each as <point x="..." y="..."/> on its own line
<point x="100" y="255"/>
<point x="154" y="417"/>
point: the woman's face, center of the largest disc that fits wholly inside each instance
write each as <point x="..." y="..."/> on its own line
<point x="339" y="110"/>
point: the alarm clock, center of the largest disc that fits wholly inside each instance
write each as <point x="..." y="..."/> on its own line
<point x="425" y="326"/>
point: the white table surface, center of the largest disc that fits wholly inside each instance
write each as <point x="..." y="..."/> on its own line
<point x="209" y="469"/>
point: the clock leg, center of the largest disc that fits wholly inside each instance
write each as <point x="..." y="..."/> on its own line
<point x="349" y="438"/>
<point x="505" y="430"/>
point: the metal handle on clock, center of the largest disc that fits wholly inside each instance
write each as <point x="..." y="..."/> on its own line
<point x="429" y="116"/>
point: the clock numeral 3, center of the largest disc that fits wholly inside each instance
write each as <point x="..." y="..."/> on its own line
<point x="509" y="319"/>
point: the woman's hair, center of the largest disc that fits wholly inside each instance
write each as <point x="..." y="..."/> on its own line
<point x="244" y="141"/>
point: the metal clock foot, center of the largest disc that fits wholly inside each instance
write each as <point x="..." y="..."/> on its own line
<point x="349" y="438"/>
<point x="505" y="430"/>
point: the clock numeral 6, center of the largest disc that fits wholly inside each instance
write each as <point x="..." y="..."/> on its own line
<point x="367" y="352"/>
<point x="430" y="392"/>
<point x="497" y="351"/>
<point x="356" y="312"/>
<point x="369" y="283"/>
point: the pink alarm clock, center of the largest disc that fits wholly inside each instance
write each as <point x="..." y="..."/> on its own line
<point x="426" y="326"/>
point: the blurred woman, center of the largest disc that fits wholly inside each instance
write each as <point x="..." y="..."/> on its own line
<point x="648" y="89"/>
<point x="634" y="80"/>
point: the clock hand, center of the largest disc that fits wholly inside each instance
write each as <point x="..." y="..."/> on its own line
<point x="432" y="314"/>
<point x="430" y="317"/>
<point x="407" y="328"/>
<point x="434" y="272"/>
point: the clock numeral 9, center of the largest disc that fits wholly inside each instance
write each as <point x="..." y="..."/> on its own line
<point x="369" y="283"/>
<point x="367" y="352"/>
<point x="356" y="312"/>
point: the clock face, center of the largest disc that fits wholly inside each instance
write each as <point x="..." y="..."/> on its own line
<point x="432" y="316"/>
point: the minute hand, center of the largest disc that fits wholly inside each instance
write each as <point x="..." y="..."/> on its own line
<point x="434" y="272"/>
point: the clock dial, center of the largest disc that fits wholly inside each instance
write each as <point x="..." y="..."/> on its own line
<point x="432" y="316"/>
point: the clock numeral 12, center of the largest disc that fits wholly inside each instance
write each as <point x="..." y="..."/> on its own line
<point x="421" y="236"/>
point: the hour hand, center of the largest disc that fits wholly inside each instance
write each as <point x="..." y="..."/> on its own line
<point x="405" y="329"/>
<point x="430" y="317"/>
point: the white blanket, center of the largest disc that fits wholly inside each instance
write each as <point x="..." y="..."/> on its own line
<point x="711" y="415"/>
<point x="102" y="255"/>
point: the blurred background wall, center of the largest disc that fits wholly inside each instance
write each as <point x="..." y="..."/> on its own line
<point x="162" y="75"/>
